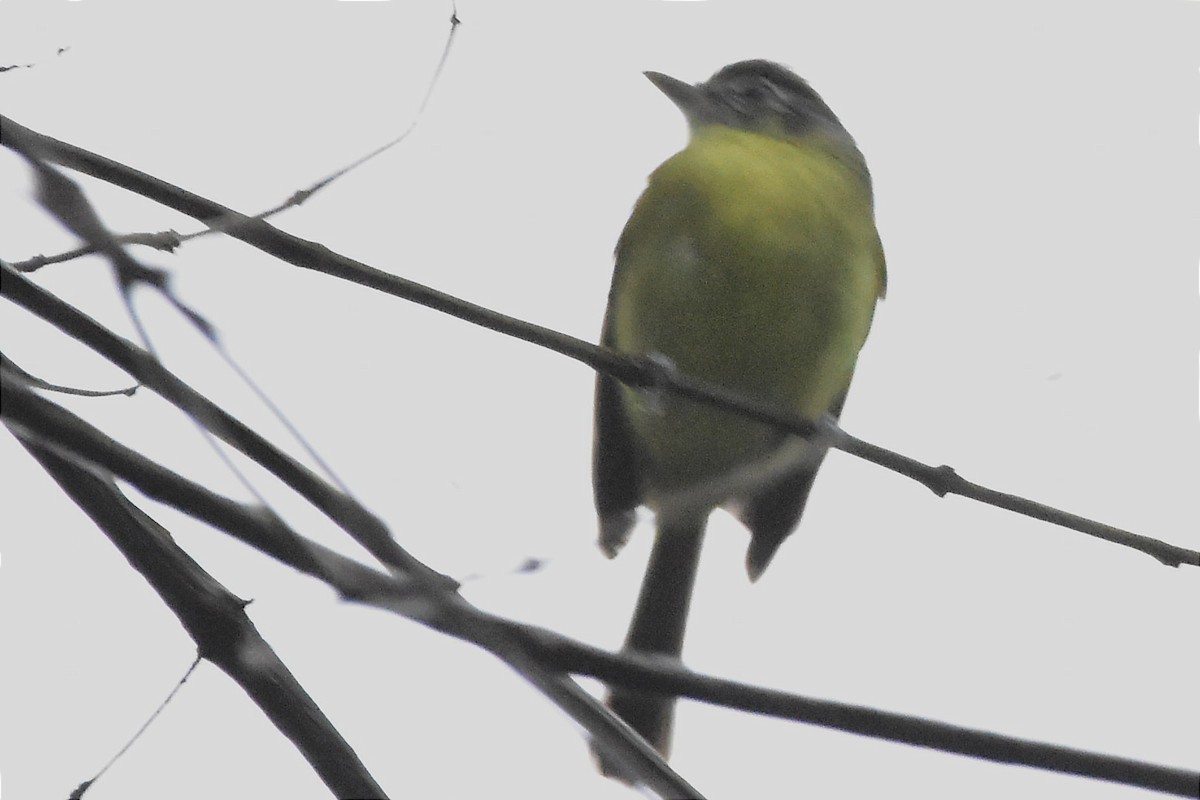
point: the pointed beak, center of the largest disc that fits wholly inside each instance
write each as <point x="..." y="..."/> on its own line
<point x="690" y="99"/>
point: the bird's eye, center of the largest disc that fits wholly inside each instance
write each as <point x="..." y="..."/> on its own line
<point x="745" y="97"/>
<point x="754" y="91"/>
<point x="755" y="97"/>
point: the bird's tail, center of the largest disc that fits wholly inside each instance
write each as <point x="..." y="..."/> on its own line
<point x="658" y="627"/>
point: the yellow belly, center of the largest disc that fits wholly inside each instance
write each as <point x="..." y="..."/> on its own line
<point x="751" y="262"/>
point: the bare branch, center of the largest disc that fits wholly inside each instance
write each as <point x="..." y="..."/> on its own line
<point x="217" y="623"/>
<point x="629" y="370"/>
<point x="530" y="650"/>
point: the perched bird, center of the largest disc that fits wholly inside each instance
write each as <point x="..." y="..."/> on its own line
<point x="751" y="261"/>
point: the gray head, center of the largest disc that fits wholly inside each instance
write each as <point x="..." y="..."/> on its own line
<point x="754" y="95"/>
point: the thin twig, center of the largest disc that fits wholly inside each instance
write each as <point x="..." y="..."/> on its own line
<point x="168" y="241"/>
<point x="629" y="370"/>
<point x="90" y="782"/>
<point x="55" y="430"/>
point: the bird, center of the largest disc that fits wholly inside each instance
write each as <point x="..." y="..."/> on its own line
<point x="751" y="261"/>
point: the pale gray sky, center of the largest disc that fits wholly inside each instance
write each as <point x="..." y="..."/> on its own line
<point x="1035" y="168"/>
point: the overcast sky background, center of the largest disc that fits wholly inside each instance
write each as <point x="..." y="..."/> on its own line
<point x="1036" y="171"/>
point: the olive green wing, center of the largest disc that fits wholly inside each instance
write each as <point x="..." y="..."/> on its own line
<point x="616" y="470"/>
<point x="774" y="513"/>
